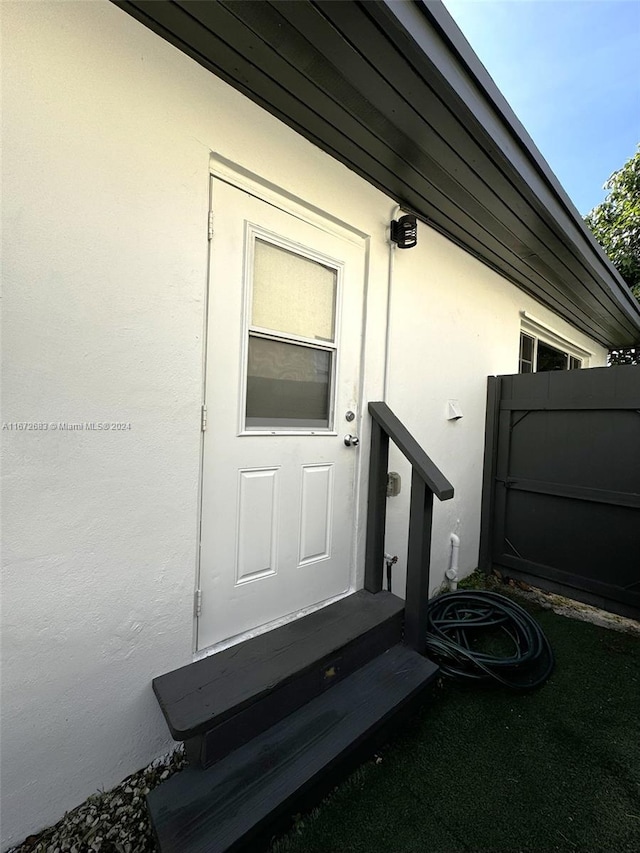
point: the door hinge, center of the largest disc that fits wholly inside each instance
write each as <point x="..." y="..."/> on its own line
<point x="210" y="228"/>
<point x="197" y="602"/>
<point x="203" y="417"/>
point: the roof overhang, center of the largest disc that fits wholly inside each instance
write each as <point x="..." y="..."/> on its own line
<point x="392" y="89"/>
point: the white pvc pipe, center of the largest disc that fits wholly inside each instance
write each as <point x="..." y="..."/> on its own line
<point x="452" y="572"/>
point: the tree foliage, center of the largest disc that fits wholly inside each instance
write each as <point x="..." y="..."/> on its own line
<point x="616" y="225"/>
<point x="616" y="221"/>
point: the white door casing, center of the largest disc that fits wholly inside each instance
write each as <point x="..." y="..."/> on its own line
<point x="284" y="336"/>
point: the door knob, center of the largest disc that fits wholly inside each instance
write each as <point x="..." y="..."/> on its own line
<point x="351" y="440"/>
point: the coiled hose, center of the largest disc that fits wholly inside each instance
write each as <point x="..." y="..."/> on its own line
<point x="458" y="622"/>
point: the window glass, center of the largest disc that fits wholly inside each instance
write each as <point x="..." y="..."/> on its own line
<point x="287" y="385"/>
<point x="526" y="353"/>
<point x="536" y="356"/>
<point x="550" y="358"/>
<point x="293" y="294"/>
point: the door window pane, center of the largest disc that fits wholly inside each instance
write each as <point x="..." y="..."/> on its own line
<point x="293" y="294"/>
<point x="287" y="385"/>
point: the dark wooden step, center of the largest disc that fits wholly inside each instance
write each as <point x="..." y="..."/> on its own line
<point x="219" y="809"/>
<point x="220" y="702"/>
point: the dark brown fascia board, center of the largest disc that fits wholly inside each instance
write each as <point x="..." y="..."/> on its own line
<point x="503" y="126"/>
<point x="436" y="42"/>
<point x="427" y="207"/>
<point x="364" y="153"/>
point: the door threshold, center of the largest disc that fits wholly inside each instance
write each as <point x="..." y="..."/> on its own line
<point x="269" y="626"/>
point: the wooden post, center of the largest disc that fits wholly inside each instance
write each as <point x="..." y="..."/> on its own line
<point x="494" y="388"/>
<point x="418" y="564"/>
<point x="376" y="508"/>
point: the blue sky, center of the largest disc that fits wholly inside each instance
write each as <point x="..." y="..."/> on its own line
<point x="570" y="69"/>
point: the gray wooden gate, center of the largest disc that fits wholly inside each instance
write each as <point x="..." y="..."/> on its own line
<point x="561" y="494"/>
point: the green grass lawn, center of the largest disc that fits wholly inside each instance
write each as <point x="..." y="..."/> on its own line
<point x="488" y="770"/>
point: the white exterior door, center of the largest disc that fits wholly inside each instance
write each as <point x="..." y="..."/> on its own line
<point x="282" y="379"/>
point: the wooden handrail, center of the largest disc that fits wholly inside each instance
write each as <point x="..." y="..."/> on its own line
<point x="405" y="442"/>
<point x="426" y="481"/>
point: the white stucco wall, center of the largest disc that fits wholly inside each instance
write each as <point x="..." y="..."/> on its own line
<point x="107" y="134"/>
<point x="453" y="323"/>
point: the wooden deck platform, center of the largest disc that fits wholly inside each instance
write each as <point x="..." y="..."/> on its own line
<point x="225" y="807"/>
<point x="220" y="702"/>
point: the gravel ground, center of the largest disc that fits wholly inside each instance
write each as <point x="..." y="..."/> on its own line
<point x="109" y="821"/>
<point x="551" y="601"/>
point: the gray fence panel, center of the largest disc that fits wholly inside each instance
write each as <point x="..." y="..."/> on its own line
<point x="561" y="494"/>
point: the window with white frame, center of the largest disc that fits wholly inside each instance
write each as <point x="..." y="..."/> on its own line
<point x="542" y="349"/>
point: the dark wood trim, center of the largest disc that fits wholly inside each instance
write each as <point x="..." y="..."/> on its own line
<point x="404" y="441"/>
<point x="426" y="480"/>
<point x="582" y="493"/>
<point x="376" y="508"/>
<point x="503" y="443"/>
<point x="465" y="86"/>
<point x="489" y="470"/>
<point x="538" y="572"/>
<point x="492" y="116"/>
<point x="288" y="697"/>
<point x="585" y="404"/>
<point x="203" y="694"/>
<point x="225" y="807"/>
<point x="515" y="227"/>
<point x="462" y="162"/>
<point x="574" y="481"/>
<point x="418" y="564"/>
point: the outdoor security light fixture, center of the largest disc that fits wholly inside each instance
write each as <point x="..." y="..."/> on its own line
<point x="404" y="231"/>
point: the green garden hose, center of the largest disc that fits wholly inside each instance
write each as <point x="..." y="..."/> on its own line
<point x="461" y="623"/>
